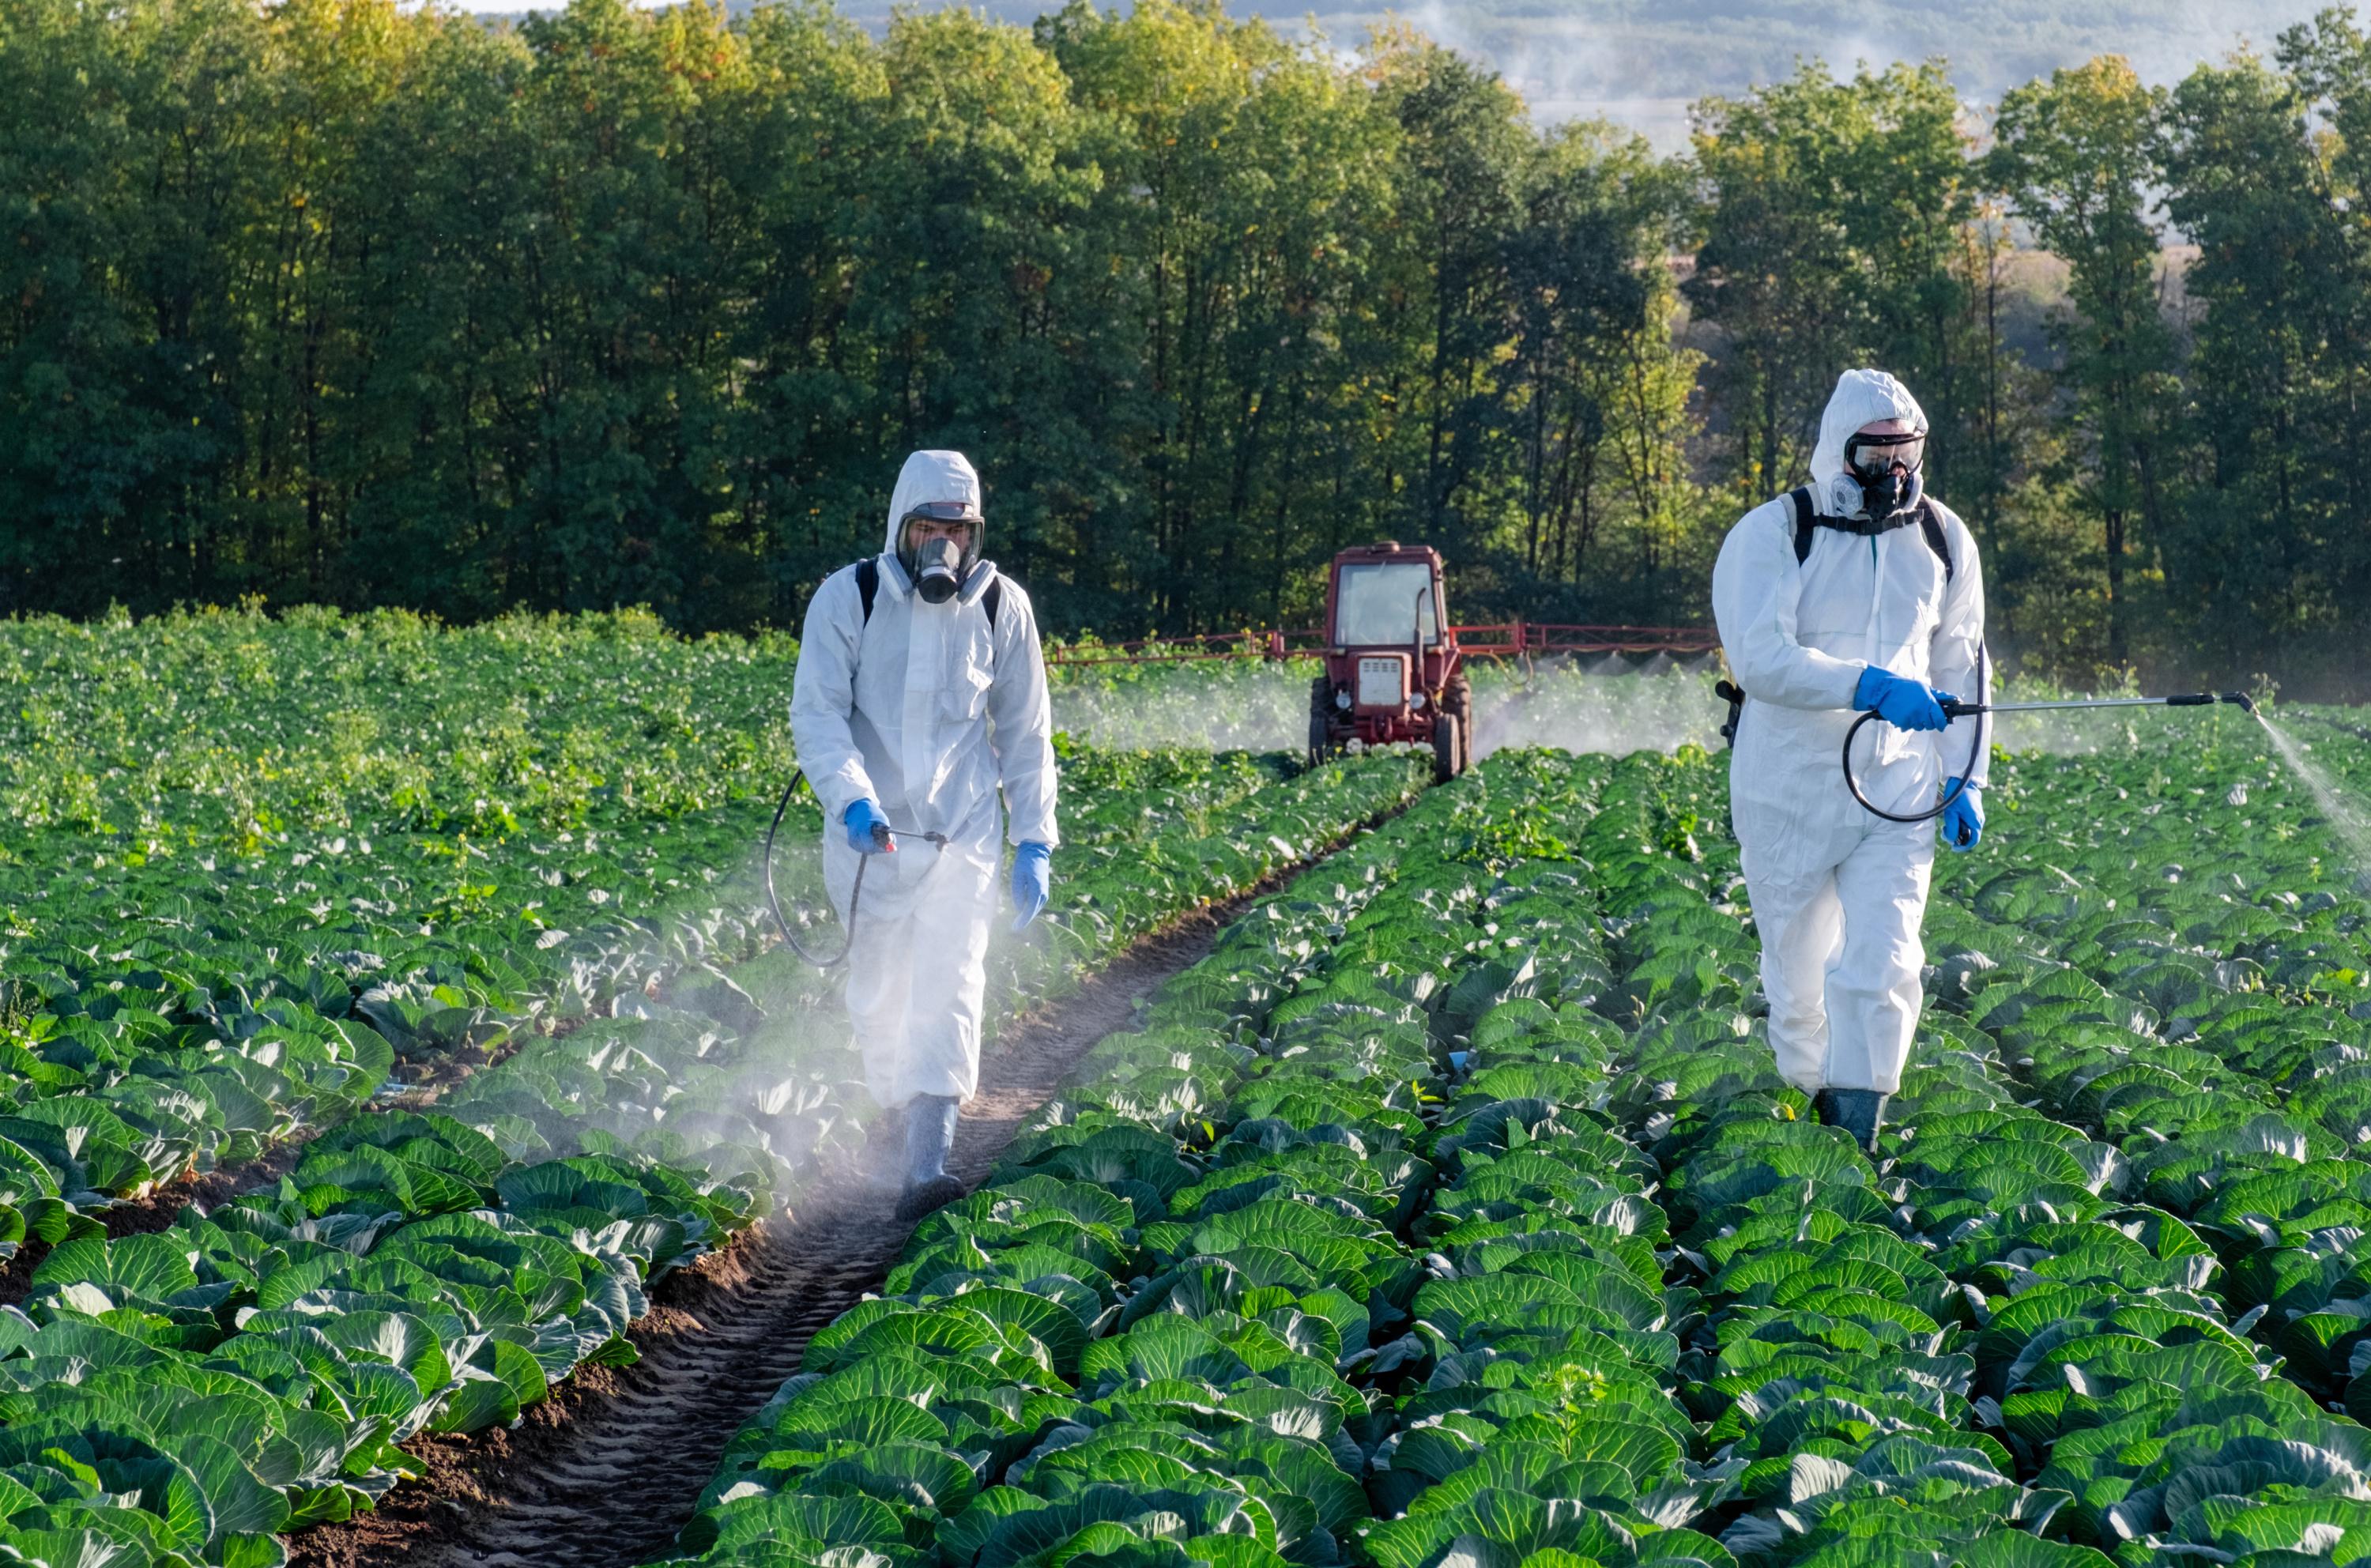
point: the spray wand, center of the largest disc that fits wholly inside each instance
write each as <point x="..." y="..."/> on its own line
<point x="884" y="835"/>
<point x="1956" y="709"/>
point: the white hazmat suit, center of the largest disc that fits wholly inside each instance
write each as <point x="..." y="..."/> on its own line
<point x="927" y="710"/>
<point x="1839" y="894"/>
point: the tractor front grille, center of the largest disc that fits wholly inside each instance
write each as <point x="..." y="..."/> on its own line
<point x="1383" y="681"/>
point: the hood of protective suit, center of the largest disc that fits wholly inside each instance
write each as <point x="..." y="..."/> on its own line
<point x="935" y="476"/>
<point x="1861" y="397"/>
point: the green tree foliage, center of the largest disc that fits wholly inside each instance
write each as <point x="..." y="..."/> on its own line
<point x="355" y="303"/>
<point x="1836" y="215"/>
<point x="335" y="301"/>
<point x="2263" y="160"/>
<point x="2075" y="155"/>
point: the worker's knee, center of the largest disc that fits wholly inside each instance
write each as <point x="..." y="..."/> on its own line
<point x="1882" y="962"/>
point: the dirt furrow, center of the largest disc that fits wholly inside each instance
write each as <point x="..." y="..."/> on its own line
<point x="607" y="1471"/>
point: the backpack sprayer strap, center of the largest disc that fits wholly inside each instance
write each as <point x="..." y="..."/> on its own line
<point x="1929" y="521"/>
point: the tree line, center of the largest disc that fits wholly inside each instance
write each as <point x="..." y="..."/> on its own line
<point x="327" y="300"/>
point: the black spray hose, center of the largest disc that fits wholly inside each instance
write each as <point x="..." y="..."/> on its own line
<point x="1976" y="743"/>
<point x="882" y="835"/>
<point x="1975" y="752"/>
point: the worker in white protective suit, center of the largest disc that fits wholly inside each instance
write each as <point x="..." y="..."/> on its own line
<point x="1859" y="593"/>
<point x="919" y="694"/>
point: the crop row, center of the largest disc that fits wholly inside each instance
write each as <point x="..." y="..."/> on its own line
<point x="176" y="1394"/>
<point x="2175" y="968"/>
<point x="1408" y="1232"/>
<point x="2069" y="1310"/>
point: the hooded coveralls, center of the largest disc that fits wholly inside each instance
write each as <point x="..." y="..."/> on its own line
<point x="1839" y="894"/>
<point x="927" y="710"/>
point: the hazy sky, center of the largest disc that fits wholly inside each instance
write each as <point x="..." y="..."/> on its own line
<point x="1642" y="62"/>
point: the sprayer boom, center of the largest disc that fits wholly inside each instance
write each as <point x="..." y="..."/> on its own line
<point x="2187" y="699"/>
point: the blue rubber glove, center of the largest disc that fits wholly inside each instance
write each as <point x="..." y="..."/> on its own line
<point x="861" y="819"/>
<point x="1032" y="882"/>
<point x="1905" y="704"/>
<point x="1963" y="819"/>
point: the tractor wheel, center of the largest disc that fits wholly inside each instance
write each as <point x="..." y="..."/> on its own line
<point x="1321" y="715"/>
<point x="1457" y="701"/>
<point x="1448" y="748"/>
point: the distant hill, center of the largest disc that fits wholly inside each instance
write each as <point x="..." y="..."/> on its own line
<point x="1643" y="62"/>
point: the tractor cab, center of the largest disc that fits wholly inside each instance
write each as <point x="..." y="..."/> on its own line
<point x="1392" y="668"/>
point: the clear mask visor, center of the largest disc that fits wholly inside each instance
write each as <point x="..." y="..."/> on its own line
<point x="1874" y="456"/>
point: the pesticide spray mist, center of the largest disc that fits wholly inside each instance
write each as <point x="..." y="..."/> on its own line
<point x="799" y="1071"/>
<point x="789" y="1061"/>
<point x="1592" y="705"/>
<point x="1603" y="703"/>
<point x="1230" y="705"/>
<point x="2347" y="818"/>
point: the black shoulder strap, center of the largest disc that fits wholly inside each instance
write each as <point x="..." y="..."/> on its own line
<point x="1930" y="523"/>
<point x="991" y="599"/>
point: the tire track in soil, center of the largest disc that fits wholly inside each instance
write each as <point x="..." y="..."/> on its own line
<point x="605" y="1472"/>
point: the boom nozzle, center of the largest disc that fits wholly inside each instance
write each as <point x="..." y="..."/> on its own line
<point x="2242" y="699"/>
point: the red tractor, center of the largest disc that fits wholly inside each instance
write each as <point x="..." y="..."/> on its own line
<point x="1392" y="669"/>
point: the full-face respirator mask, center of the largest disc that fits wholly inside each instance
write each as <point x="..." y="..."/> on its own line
<point x="938" y="544"/>
<point x="1884" y="461"/>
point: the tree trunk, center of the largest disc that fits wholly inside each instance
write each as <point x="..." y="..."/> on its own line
<point x="2115" y="540"/>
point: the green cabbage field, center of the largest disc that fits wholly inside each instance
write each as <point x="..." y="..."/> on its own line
<point x="389" y="1027"/>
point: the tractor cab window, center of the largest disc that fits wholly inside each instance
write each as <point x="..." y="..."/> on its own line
<point x="1378" y="604"/>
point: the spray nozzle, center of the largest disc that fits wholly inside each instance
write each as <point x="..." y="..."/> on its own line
<point x="2242" y="699"/>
